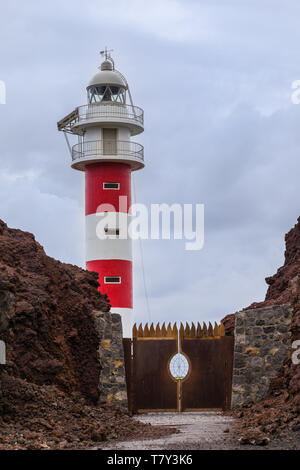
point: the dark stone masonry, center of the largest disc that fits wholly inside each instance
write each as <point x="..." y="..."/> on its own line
<point x="112" y="386"/>
<point x="262" y="337"/>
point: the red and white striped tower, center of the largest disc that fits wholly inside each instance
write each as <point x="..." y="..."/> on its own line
<point x="107" y="155"/>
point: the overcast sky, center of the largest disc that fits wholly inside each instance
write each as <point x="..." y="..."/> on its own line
<point x="214" y="79"/>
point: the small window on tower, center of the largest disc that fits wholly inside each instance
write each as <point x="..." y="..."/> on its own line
<point x="112" y="231"/>
<point x="111" y="185"/>
<point x="112" y="280"/>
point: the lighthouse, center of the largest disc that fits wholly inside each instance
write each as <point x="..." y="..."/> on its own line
<point x="106" y="153"/>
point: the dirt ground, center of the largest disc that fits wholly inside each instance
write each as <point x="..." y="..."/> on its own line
<point x="34" y="417"/>
<point x="198" y="431"/>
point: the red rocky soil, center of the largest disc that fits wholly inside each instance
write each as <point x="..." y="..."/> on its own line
<point x="279" y="413"/>
<point x="44" y="417"/>
<point x="46" y="320"/>
<point x="49" y="389"/>
<point x="284" y="285"/>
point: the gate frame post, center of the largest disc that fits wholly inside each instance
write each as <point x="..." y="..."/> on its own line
<point x="128" y="362"/>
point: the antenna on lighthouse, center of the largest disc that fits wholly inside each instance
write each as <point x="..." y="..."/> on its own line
<point x="106" y="53"/>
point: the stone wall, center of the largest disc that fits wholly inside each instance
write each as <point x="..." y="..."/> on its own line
<point x="112" y="386"/>
<point x="262" y="337"/>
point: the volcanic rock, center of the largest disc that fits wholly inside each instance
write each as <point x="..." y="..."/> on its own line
<point x="278" y="413"/>
<point x="49" y="388"/>
<point x="45" y="316"/>
<point x="283" y="285"/>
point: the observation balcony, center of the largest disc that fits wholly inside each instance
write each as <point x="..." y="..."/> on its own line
<point x="105" y="114"/>
<point x="97" y="151"/>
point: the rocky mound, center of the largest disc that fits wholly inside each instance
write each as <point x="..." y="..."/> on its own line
<point x="228" y="323"/>
<point x="44" y="417"/>
<point x="45" y="316"/>
<point x="279" y="412"/>
<point x="49" y="387"/>
<point x="284" y="288"/>
<point x="284" y="284"/>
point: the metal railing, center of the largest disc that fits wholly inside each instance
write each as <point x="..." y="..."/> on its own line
<point x="110" y="110"/>
<point x="104" y="148"/>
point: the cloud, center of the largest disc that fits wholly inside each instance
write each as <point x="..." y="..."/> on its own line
<point x="214" y="79"/>
<point x="57" y="223"/>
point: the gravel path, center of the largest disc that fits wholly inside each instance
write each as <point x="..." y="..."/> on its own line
<point x="198" y="431"/>
<point x="203" y="430"/>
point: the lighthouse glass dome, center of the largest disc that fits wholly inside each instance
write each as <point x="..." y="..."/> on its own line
<point x="107" y="85"/>
<point x="102" y="93"/>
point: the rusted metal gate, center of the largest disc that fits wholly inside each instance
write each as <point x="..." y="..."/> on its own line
<point x="202" y="355"/>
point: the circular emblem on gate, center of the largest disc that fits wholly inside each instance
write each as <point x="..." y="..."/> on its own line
<point x="179" y="366"/>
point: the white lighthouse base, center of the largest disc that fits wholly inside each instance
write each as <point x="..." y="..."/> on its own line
<point x="127" y="320"/>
